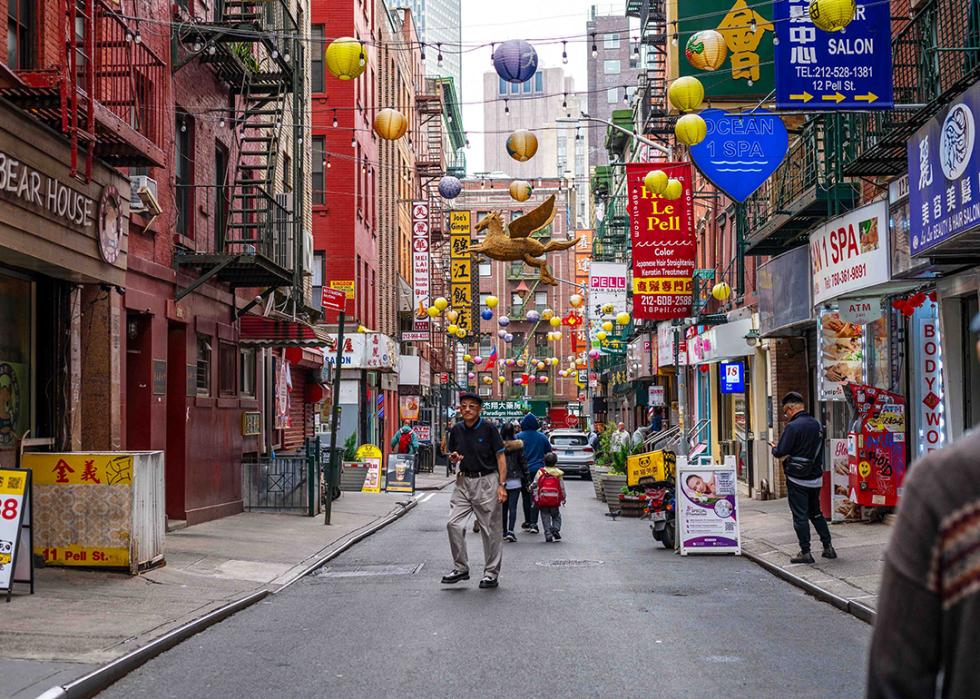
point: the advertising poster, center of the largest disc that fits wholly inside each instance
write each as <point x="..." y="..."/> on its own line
<point x="707" y="508"/>
<point x="371" y="456"/>
<point x="408" y="407"/>
<point x="420" y="268"/>
<point x="461" y="269"/>
<point x="607" y="286"/>
<point x="876" y="450"/>
<point x="14" y="402"/>
<point x="840" y="355"/>
<point x="400" y="475"/>
<point x="663" y="244"/>
<point x="843" y="509"/>
<point x="929" y="396"/>
<point x="423" y="432"/>
<point x="850" y="253"/>
<point x="653" y="465"/>
<point x="13" y="497"/>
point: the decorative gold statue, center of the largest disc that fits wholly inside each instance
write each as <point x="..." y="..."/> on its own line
<point x="513" y="242"/>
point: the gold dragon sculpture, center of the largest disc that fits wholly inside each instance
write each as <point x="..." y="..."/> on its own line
<point x="513" y="242"/>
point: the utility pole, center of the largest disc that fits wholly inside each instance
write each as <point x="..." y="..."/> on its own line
<point x="334" y="418"/>
<point x="682" y="447"/>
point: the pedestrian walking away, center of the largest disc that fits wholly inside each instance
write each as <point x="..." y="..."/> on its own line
<point x="478" y="452"/>
<point x="549" y="496"/>
<point x="801" y="449"/>
<point x="516" y="478"/>
<point x="536" y="445"/>
<point x="405" y="440"/>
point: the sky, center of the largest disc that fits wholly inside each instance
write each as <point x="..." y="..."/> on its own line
<point x="542" y="22"/>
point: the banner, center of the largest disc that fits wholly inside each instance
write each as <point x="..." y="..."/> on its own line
<point x="840" y="355"/>
<point x="707" y="508"/>
<point x="420" y="265"/>
<point x="461" y="269"/>
<point x="663" y="244"/>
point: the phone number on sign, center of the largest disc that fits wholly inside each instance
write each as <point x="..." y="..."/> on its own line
<point x="844" y="276"/>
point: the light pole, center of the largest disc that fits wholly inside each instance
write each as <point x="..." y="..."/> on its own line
<point x="666" y="150"/>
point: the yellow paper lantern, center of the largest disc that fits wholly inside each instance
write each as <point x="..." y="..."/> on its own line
<point x="452" y="329"/>
<point x="601" y="336"/>
<point x="492" y="301"/>
<point x="390" y="124"/>
<point x="832" y="15"/>
<point x="623" y="318"/>
<point x="441" y="303"/>
<point x="706" y="50"/>
<point x="674" y="189"/>
<point x="467" y="357"/>
<point x="501" y="379"/>
<point x="555" y="322"/>
<point x="655" y="181"/>
<point x="461" y="333"/>
<point x="432" y="311"/>
<point x="522" y="145"/>
<point x="686" y="93"/>
<point x="608" y="308"/>
<point x="576" y="300"/>
<point x="554" y="361"/>
<point x="487" y="380"/>
<point x="345" y="58"/>
<point x="690" y="129"/>
<point x="721" y="291"/>
<point x="451" y="315"/>
<point x="520" y="190"/>
<point x="547" y="314"/>
<point x="607" y="326"/>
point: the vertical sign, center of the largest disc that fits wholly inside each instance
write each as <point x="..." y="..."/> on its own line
<point x="607" y="287"/>
<point x="420" y="265"/>
<point x="461" y="269"/>
<point x="930" y="425"/>
<point x="663" y="244"/>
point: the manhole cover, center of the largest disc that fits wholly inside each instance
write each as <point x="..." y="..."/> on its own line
<point x="366" y="571"/>
<point x="570" y="563"/>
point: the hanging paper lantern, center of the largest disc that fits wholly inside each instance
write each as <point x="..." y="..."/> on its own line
<point x="522" y="145"/>
<point x="554" y="361"/>
<point x="520" y="362"/>
<point x="432" y="311"/>
<point x="450" y="187"/>
<point x="518" y="381"/>
<point x="674" y="189"/>
<point x="601" y="336"/>
<point x="492" y="301"/>
<point x="540" y="365"/>
<point x="576" y="300"/>
<point x="623" y="318"/>
<point x="832" y="15"/>
<point x="451" y="315"/>
<point x="515" y="61"/>
<point x="543" y="379"/>
<point x="487" y="380"/>
<point x="594" y="353"/>
<point x="509" y="361"/>
<point x="508" y="338"/>
<point x="390" y="124"/>
<point x="520" y="190"/>
<point x="547" y="314"/>
<point x="721" y="291"/>
<point x="441" y="303"/>
<point x="706" y="50"/>
<point x="608" y="308"/>
<point x="533" y="316"/>
<point x="501" y="379"/>
<point x="345" y="58"/>
<point x="555" y="322"/>
<point x="503" y="321"/>
<point x="467" y="357"/>
<point x="686" y="93"/>
<point x="452" y="328"/>
<point x="655" y="181"/>
<point x="501" y="333"/>
<point x="471" y="376"/>
<point x="607" y="326"/>
<point x="486" y="314"/>
<point x="478" y="360"/>
<point x="580" y="363"/>
<point x="461" y="333"/>
<point x="690" y="129"/>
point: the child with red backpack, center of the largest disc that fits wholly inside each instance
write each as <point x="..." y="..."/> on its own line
<point x="548" y="491"/>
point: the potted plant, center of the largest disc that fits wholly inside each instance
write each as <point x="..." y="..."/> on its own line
<point x="601" y="465"/>
<point x="352" y="474"/>
<point x="631" y="504"/>
<point x="616" y="477"/>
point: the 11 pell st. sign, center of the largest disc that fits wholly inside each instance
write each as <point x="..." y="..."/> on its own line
<point x="850" y="253"/>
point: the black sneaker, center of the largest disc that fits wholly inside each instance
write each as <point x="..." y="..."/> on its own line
<point x="828" y="552"/>
<point x="802" y="557"/>
<point x="454" y="576"/>
<point x="534" y="529"/>
<point x="526" y="526"/>
<point x="487" y="582"/>
<point x="557" y="535"/>
<point x="548" y="538"/>
<point x="509" y="536"/>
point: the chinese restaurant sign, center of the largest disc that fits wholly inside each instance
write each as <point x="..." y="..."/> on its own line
<point x="461" y="269"/>
<point x="833" y="70"/>
<point x="420" y="269"/>
<point x="944" y="174"/>
<point x="663" y="245"/>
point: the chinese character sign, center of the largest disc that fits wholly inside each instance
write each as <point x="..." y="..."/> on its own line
<point x="420" y="264"/>
<point x="663" y="244"/>
<point x="461" y="269"/>
<point x="944" y="175"/>
<point x="833" y="70"/>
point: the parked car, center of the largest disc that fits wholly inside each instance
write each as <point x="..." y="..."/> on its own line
<point x="575" y="456"/>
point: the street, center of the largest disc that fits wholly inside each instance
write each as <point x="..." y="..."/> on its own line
<point x="604" y="612"/>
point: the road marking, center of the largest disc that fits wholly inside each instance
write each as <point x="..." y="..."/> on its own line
<point x="424" y="498"/>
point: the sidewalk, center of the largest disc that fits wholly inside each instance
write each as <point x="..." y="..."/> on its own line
<point x="854" y="577"/>
<point x="437" y="480"/>
<point x="79" y="619"/>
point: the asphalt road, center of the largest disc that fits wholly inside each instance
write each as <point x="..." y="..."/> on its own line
<point x="606" y="613"/>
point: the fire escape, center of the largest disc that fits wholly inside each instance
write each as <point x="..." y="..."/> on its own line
<point x="95" y="83"/>
<point x="253" y="46"/>
<point x="651" y="106"/>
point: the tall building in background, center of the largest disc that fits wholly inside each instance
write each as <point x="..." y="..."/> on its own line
<point x="613" y="70"/>
<point x="438" y="22"/>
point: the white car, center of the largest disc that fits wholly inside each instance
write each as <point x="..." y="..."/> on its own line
<point x="575" y="456"/>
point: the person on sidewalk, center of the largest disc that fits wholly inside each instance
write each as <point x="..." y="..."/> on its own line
<point x="536" y="445"/>
<point x="405" y="440"/>
<point x="516" y="478"/>
<point x="801" y="448"/>
<point x="477" y="450"/>
<point x="549" y="496"/>
<point x="927" y="630"/>
<point x="620" y="438"/>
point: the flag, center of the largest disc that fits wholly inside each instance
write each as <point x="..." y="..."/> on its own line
<point x="492" y="359"/>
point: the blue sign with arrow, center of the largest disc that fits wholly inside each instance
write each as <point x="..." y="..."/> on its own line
<point x="740" y="151"/>
<point x="849" y="69"/>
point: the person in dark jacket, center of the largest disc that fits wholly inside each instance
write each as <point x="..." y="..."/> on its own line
<point x="516" y="477"/>
<point x="536" y="445"/>
<point x="801" y="443"/>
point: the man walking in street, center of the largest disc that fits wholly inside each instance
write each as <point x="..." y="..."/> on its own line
<point x="801" y="448"/>
<point x="477" y="450"/>
<point x="536" y="445"/>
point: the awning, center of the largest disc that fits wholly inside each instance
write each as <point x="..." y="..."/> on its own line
<point x="259" y="331"/>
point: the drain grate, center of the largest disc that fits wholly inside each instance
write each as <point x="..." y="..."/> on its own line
<point x="370" y="570"/>
<point x="570" y="563"/>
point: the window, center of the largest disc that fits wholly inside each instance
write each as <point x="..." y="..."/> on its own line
<point x="514" y="215"/>
<point x="317" y="281"/>
<point x="540" y="299"/>
<point x="612" y="95"/>
<point x="485" y="269"/>
<point x="516" y="300"/>
<point x="501" y="86"/>
<point x="611" y="41"/>
<point x="611" y="66"/>
<point x="484" y="295"/>
<point x="527" y="86"/>
<point x="227" y="368"/>
<point x="318" y="176"/>
<point x="515" y="88"/>
<point x="246" y="371"/>
<point x="316" y="59"/>
<point x="287" y="173"/>
<point x="203" y="365"/>
<point x="221" y="195"/>
<point x="184" y="173"/>
<point x="538" y="82"/>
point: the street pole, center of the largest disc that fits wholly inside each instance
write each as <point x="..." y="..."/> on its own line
<point x="682" y="447"/>
<point x="334" y="419"/>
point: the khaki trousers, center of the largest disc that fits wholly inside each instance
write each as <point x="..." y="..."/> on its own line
<point x="479" y="496"/>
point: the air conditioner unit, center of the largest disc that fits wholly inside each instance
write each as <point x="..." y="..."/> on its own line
<point x="137" y="183"/>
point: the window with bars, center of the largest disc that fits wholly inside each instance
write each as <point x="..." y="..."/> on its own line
<point x="184" y="173"/>
<point x="203" y="365"/>
<point x="246" y="371"/>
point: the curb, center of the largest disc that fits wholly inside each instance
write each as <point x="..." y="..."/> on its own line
<point x="855" y="609"/>
<point x="430" y="488"/>
<point x="98" y="680"/>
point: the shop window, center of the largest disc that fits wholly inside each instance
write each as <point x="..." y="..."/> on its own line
<point x="20" y="30"/>
<point x="318" y="170"/>
<point x="227" y="369"/>
<point x="316" y="58"/>
<point x="203" y="365"/>
<point x="611" y="66"/>
<point x="184" y="173"/>
<point x="246" y="371"/>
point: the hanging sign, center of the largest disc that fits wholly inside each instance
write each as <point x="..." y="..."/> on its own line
<point x="607" y="287"/>
<point x="663" y="244"/>
<point x="707" y="507"/>
<point x="420" y="266"/>
<point x="15" y="545"/>
<point x="731" y="376"/>
<point x="822" y="70"/>
<point x="740" y="152"/>
<point x="861" y="311"/>
<point x="850" y="253"/>
<point x="460" y="269"/>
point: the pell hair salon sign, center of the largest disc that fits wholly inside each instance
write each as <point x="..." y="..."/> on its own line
<point x="21" y="182"/>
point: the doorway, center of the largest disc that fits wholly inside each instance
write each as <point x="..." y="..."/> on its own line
<point x="138" y="382"/>
<point x="177" y="378"/>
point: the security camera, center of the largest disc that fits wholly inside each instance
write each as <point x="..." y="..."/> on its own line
<point x="149" y="201"/>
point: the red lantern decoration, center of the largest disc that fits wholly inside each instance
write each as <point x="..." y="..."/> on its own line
<point x="314" y="393"/>
<point x="932" y="296"/>
<point x="294" y="355"/>
<point x="703" y="368"/>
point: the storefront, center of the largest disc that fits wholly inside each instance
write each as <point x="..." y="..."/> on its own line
<point x="672" y="351"/>
<point x="368" y="386"/>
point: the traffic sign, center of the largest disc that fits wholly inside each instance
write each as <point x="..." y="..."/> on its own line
<point x="732" y="375"/>
<point x="850" y="69"/>
<point x="333" y="299"/>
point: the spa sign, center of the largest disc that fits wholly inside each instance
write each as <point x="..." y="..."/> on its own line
<point x="850" y="253"/>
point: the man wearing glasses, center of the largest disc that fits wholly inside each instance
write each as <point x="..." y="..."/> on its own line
<point x="477" y="450"/>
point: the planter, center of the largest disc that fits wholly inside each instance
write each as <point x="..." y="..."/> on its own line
<point x="631" y="506"/>
<point x="611" y="485"/>
<point x="597" y="473"/>
<point x="352" y="476"/>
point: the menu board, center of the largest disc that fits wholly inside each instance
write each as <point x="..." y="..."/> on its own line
<point x="840" y="355"/>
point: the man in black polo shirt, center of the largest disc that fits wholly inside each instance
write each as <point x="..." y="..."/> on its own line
<point x="478" y="452"/>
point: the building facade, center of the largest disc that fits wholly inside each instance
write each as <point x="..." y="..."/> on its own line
<point x="613" y="68"/>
